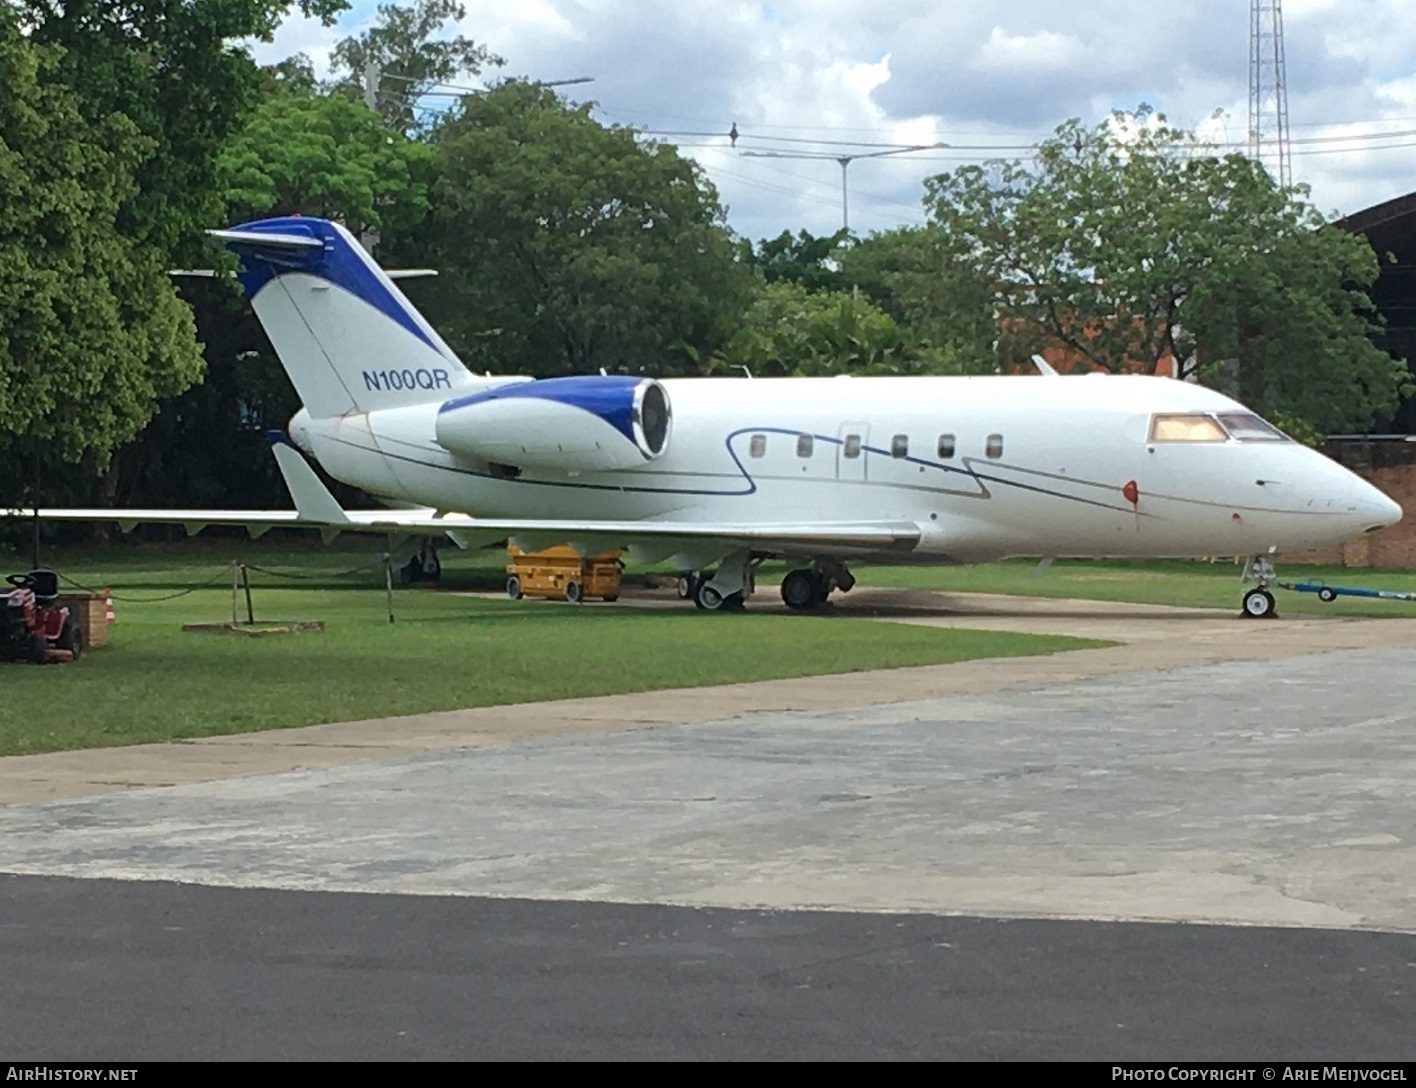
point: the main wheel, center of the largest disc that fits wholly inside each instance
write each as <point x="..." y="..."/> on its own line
<point x="513" y="588"/>
<point x="573" y="592"/>
<point x="708" y="598"/>
<point x="799" y="590"/>
<point x="71" y="638"/>
<point x="1259" y="604"/>
<point x="1326" y="595"/>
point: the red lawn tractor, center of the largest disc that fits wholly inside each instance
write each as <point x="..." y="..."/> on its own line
<point x="33" y="625"/>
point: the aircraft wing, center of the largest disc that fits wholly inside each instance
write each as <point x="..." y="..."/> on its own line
<point x="695" y="544"/>
<point x="658" y="539"/>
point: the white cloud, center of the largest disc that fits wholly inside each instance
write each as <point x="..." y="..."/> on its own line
<point x="999" y="73"/>
<point x="1004" y="52"/>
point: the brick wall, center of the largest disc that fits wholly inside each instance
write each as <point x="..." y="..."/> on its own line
<point x="1391" y="466"/>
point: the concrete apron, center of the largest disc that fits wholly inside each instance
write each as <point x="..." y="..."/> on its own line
<point x="1209" y="769"/>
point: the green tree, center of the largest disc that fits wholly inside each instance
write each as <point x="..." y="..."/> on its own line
<point x="791" y="330"/>
<point x="566" y="246"/>
<point x="918" y="276"/>
<point x="408" y="59"/>
<point x="805" y="258"/>
<point x="1135" y="246"/>
<point x="324" y="155"/>
<point x="178" y="71"/>
<point x="91" y="331"/>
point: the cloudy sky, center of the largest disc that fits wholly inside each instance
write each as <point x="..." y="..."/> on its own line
<point x="808" y="81"/>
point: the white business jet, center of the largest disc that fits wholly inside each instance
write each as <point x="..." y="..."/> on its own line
<point x="719" y="472"/>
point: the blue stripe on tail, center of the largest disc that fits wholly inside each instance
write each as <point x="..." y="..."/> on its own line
<point x="338" y="262"/>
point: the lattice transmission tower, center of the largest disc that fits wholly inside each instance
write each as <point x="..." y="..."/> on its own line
<point x="1268" y="91"/>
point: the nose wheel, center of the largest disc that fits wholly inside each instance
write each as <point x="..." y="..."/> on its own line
<point x="1258" y="603"/>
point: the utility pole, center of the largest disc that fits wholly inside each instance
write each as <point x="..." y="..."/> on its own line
<point x="372" y="71"/>
<point x="1268" y="91"/>
<point x="845" y="161"/>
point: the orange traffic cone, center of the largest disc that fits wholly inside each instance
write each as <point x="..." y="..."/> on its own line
<point x="108" y="604"/>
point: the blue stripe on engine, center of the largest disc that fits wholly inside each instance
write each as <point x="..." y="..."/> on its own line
<point x="609" y="396"/>
<point x="337" y="262"/>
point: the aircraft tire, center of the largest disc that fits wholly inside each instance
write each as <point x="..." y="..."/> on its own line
<point x="1259" y="604"/>
<point x="712" y="600"/>
<point x="800" y="590"/>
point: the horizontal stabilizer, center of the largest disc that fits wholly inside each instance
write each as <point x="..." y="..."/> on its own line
<point x="267" y="240"/>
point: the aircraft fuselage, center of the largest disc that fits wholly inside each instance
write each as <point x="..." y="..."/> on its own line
<point x="986" y="466"/>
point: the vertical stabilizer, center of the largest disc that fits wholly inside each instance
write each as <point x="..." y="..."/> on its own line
<point x="347" y="337"/>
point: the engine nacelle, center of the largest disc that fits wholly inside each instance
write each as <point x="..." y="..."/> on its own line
<point x="592" y="423"/>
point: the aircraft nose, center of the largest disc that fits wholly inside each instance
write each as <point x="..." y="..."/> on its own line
<point x="1377" y="508"/>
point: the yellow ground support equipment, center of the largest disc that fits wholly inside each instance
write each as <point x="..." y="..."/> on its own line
<point x="562" y="574"/>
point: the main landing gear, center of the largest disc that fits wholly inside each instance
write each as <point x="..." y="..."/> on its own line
<point x="808" y="588"/>
<point x="423" y="567"/>
<point x="1258" y="602"/>
<point x="726" y="589"/>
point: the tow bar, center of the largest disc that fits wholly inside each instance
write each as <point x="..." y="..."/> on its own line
<point x="1326" y="592"/>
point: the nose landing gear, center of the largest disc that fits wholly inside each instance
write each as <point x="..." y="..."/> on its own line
<point x="1258" y="603"/>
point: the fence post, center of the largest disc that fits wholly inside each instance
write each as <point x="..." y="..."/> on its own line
<point x="388" y="582"/>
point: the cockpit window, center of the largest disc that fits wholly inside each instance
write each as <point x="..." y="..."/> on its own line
<point x="1247" y="427"/>
<point x="1186" y="428"/>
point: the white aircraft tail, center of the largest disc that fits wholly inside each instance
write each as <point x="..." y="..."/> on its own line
<point x="348" y="338"/>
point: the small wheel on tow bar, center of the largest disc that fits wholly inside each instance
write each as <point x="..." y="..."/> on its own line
<point x="1326" y="595"/>
<point x="1259" y="604"/>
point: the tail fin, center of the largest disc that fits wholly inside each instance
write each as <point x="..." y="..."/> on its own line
<point x="347" y="337"/>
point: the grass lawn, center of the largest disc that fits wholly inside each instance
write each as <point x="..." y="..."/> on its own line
<point x="1188" y="584"/>
<point x="155" y="682"/>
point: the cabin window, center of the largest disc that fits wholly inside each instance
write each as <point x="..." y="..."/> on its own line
<point x="757" y="446"/>
<point x="804" y="445"/>
<point x="1247" y="427"/>
<point x="900" y="446"/>
<point x="993" y="446"/>
<point x="946" y="446"/>
<point x="851" y="448"/>
<point x="1186" y="428"/>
